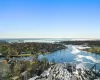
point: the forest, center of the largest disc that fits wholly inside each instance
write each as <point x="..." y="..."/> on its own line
<point x="16" y="49"/>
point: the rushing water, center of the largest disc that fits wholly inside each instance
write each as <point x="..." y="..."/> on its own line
<point x="73" y="54"/>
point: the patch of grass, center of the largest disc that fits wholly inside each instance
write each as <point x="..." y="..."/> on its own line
<point x="94" y="50"/>
<point x="25" y="55"/>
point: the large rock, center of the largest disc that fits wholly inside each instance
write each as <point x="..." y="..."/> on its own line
<point x="65" y="71"/>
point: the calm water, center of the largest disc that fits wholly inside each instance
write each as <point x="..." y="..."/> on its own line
<point x="72" y="54"/>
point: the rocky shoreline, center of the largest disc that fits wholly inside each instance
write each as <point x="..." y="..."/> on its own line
<point x="66" y="71"/>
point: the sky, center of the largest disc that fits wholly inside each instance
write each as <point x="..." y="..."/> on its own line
<point x="49" y="18"/>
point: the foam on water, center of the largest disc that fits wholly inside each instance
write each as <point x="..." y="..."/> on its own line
<point x="89" y="57"/>
<point x="75" y="50"/>
<point x="73" y="54"/>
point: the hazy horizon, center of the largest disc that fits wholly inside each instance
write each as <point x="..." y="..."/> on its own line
<point x="53" y="38"/>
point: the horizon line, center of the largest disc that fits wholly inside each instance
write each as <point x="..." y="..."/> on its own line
<point x="47" y="37"/>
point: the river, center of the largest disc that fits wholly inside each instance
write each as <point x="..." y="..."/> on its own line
<point x="74" y="54"/>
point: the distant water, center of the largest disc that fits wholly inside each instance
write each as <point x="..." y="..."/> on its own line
<point x="46" y="40"/>
<point x="72" y="54"/>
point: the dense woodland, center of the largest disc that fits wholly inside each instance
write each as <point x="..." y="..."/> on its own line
<point x="28" y="48"/>
<point x="88" y="42"/>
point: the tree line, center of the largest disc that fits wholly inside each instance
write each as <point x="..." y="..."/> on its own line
<point x="28" y="48"/>
<point x="88" y="42"/>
